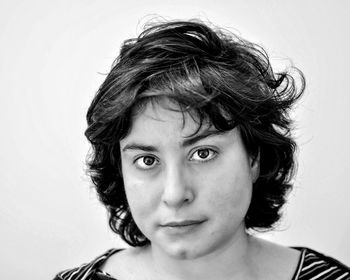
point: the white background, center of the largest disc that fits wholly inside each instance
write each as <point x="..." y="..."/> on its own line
<point x="53" y="56"/>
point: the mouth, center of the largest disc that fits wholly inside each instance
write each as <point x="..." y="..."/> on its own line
<point x="182" y="228"/>
<point x="183" y="223"/>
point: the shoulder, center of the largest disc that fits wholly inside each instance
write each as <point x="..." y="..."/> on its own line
<point x="272" y="260"/>
<point x="86" y="270"/>
<point x="129" y="263"/>
<point x="316" y="265"/>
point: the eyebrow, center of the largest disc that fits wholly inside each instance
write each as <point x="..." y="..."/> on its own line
<point x="187" y="142"/>
<point x="196" y="138"/>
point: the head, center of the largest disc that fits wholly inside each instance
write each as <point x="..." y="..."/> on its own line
<point x="217" y="82"/>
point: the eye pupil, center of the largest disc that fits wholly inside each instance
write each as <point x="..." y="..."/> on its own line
<point x="203" y="153"/>
<point x="148" y="160"/>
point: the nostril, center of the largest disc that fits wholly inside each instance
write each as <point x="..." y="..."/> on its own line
<point x="177" y="196"/>
<point x="177" y="190"/>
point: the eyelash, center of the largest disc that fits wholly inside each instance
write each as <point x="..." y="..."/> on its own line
<point x="141" y="160"/>
<point x="211" y="156"/>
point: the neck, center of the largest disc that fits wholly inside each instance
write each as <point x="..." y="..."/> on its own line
<point x="230" y="262"/>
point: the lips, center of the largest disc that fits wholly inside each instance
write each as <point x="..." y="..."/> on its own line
<point x="182" y="223"/>
<point x="182" y="228"/>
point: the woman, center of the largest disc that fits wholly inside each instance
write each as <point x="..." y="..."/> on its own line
<point x="192" y="152"/>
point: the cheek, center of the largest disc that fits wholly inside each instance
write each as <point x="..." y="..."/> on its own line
<point x="140" y="199"/>
<point x="232" y="200"/>
<point x="134" y="193"/>
<point x="231" y="195"/>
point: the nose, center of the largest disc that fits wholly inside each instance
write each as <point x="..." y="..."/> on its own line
<point x="177" y="190"/>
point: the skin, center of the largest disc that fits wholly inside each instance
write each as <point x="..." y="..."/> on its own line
<point x="171" y="175"/>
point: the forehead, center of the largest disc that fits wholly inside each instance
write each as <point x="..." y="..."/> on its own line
<point x="165" y="114"/>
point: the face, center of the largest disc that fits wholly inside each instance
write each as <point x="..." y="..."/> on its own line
<point x="187" y="193"/>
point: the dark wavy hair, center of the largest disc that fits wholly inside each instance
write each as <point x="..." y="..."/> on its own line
<point x="219" y="76"/>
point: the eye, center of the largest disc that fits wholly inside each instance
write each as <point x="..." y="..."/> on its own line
<point x="146" y="162"/>
<point x="203" y="155"/>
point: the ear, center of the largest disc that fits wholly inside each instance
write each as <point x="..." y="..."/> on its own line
<point x="255" y="166"/>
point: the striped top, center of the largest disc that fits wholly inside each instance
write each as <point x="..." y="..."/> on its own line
<point x="312" y="266"/>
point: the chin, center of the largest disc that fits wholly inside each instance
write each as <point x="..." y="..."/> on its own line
<point x="185" y="251"/>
